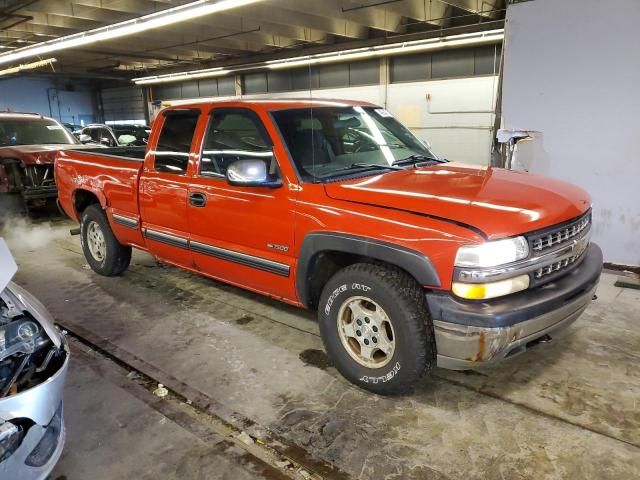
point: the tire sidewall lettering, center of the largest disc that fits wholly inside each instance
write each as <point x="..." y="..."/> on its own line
<point x="341" y="289"/>
<point x="382" y="378"/>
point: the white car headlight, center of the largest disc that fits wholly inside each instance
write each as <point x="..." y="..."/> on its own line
<point x="492" y="254"/>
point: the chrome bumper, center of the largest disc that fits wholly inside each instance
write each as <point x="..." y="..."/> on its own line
<point x="472" y="334"/>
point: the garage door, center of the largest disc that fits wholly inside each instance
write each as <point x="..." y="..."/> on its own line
<point x="123" y="104"/>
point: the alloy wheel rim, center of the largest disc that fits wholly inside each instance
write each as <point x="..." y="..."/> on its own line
<point x="96" y="241"/>
<point x="366" y="332"/>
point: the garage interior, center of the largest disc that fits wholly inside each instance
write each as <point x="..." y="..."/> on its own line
<point x="179" y="376"/>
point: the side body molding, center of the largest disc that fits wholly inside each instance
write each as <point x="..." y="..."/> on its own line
<point x="415" y="263"/>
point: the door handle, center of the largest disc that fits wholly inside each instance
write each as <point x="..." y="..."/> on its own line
<point x="198" y="199"/>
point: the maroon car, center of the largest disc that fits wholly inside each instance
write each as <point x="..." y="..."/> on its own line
<point x="28" y="146"/>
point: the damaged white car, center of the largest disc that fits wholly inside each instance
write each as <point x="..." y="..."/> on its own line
<point x="34" y="359"/>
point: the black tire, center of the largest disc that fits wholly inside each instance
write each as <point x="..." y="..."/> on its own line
<point x="115" y="258"/>
<point x="403" y="302"/>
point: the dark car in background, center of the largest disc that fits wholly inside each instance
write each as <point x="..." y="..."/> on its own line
<point x="115" y="135"/>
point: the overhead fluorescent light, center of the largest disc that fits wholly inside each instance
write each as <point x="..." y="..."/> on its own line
<point x="28" y="66"/>
<point x="129" y="27"/>
<point x="392" y="49"/>
<point x="477" y="38"/>
<point x="176" y="77"/>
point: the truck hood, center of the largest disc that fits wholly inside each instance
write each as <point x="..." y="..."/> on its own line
<point x="38" y="154"/>
<point x="496" y="202"/>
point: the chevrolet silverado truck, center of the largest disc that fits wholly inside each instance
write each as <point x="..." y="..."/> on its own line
<point x="411" y="261"/>
<point x="28" y="146"/>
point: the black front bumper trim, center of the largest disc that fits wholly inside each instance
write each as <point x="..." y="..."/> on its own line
<point x="519" y="307"/>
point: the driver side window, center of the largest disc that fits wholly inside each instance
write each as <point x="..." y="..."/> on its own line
<point x="234" y="134"/>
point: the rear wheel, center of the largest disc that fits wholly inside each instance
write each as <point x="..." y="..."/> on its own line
<point x="376" y="328"/>
<point x="102" y="250"/>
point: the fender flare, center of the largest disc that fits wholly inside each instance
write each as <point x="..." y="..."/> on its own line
<point x="417" y="264"/>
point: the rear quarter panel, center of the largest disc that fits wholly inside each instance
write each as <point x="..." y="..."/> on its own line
<point x="113" y="180"/>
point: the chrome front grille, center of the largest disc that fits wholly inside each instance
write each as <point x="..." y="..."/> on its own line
<point x="562" y="235"/>
<point x="554" y="267"/>
<point x="572" y="235"/>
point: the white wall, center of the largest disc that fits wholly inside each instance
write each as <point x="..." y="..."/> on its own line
<point x="446" y="121"/>
<point x="572" y="72"/>
<point x="40" y="95"/>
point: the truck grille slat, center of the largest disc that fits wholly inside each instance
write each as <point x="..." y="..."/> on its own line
<point x="558" y="237"/>
<point x="555" y="238"/>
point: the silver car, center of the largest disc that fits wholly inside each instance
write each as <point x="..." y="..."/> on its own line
<point x="34" y="359"/>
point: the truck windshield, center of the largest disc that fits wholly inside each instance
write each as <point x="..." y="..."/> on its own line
<point x="326" y="142"/>
<point x="33" y="132"/>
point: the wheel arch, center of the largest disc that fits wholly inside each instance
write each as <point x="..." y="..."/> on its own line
<point x="82" y="198"/>
<point x="343" y="249"/>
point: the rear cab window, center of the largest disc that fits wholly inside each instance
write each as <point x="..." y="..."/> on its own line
<point x="174" y="144"/>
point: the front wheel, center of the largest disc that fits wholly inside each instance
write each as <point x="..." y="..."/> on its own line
<point x="376" y="328"/>
<point x="101" y="248"/>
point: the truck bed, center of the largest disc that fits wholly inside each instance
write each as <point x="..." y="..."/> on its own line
<point x="100" y="173"/>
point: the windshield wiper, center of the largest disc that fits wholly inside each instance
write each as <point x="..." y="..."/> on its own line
<point x="362" y="166"/>
<point x="416" y="159"/>
<point x="375" y="165"/>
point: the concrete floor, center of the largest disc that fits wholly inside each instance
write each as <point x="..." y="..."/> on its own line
<point x="114" y="433"/>
<point x="567" y="409"/>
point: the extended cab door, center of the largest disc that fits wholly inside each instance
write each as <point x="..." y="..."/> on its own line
<point x="241" y="234"/>
<point x="164" y="187"/>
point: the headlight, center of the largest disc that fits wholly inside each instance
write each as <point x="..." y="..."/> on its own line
<point x="491" y="254"/>
<point x="11" y="435"/>
<point x="483" y="291"/>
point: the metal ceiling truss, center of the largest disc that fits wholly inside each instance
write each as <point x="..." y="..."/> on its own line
<point x="268" y="27"/>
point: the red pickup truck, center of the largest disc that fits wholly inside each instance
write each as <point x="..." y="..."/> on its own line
<point x="411" y="261"/>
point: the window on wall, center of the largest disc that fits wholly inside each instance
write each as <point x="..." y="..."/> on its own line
<point x="303" y="78"/>
<point x="452" y="63"/>
<point x="487" y="59"/>
<point x="336" y="75"/>
<point x="408" y="68"/>
<point x="279" y="81"/>
<point x="254" y="83"/>
<point x="461" y="62"/>
<point x="366" y="72"/>
<point x="206" y="87"/>
<point x="174" y="144"/>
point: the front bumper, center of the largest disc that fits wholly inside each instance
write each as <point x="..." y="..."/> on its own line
<point x="471" y="334"/>
<point x="38" y="404"/>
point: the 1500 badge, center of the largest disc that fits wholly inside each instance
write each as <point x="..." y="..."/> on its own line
<point x="275" y="246"/>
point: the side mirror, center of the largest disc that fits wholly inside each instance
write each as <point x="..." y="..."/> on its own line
<point x="84" y="138"/>
<point x="251" y="172"/>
